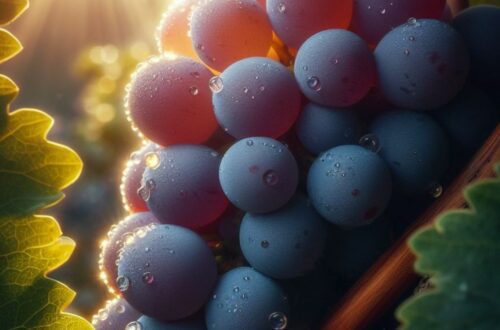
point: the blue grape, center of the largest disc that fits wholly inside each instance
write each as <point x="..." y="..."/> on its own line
<point x="335" y="68"/>
<point x="372" y="19"/>
<point x="349" y="185"/>
<point x="468" y="120"/>
<point x="166" y="272"/>
<point x="114" y="242"/>
<point x="259" y="97"/>
<point x="295" y="21"/>
<point x="149" y="323"/>
<point x="286" y="243"/>
<point x="415" y="147"/>
<point x="258" y="174"/>
<point x="422" y="64"/>
<point x="181" y="185"/>
<point x="247" y="300"/>
<point x="351" y="252"/>
<point x="224" y="32"/>
<point x="480" y="28"/>
<point x="320" y="128"/>
<point x="116" y="314"/>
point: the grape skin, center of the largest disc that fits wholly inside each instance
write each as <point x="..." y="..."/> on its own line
<point x="422" y="64"/>
<point x="149" y="323"/>
<point x="335" y="68"/>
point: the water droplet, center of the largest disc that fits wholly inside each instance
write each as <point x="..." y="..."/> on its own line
<point x="436" y="190"/>
<point x="147" y="249"/>
<point x="245" y="90"/>
<point x="250" y="143"/>
<point x="407" y="52"/>
<point x="135" y="325"/>
<point x="195" y="74"/>
<point x="314" y="83"/>
<point x="370" y="142"/>
<point x="271" y="178"/>
<point x="244" y="296"/>
<point x="412" y="21"/>
<point x="216" y="84"/>
<point x="278" y="321"/>
<point x="148" y="278"/>
<point x="144" y="193"/>
<point x="262" y="88"/>
<point x="411" y="38"/>
<point x="103" y="315"/>
<point x="152" y="160"/>
<point x="214" y="297"/>
<point x="281" y="7"/>
<point x="305" y="68"/>
<point x="264" y="244"/>
<point x="337" y="165"/>
<point x="236" y="289"/>
<point x="123" y="283"/>
<point x="193" y="90"/>
<point x="383" y="11"/>
<point x="246" y="278"/>
<point x="120" y="309"/>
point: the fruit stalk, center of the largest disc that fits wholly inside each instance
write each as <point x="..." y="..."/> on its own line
<point x="393" y="273"/>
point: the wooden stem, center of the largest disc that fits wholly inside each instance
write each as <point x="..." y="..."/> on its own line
<point x="393" y="273"/>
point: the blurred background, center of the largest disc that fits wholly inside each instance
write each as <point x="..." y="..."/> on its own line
<point x="78" y="56"/>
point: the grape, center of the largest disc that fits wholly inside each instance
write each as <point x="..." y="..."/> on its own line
<point x="148" y="323"/>
<point x="295" y="21"/>
<point x="169" y="101"/>
<point x="373" y="19"/>
<point x="286" y="243"/>
<point x="181" y="186"/>
<point x="258" y="174"/>
<point x="224" y="32"/>
<point x="351" y="252"/>
<point x="349" y="185"/>
<point x="131" y="179"/>
<point x="259" y="97"/>
<point x="468" y="120"/>
<point x="173" y="31"/>
<point x="116" y="314"/>
<point x="335" y="68"/>
<point x="415" y="147"/>
<point x="166" y="272"/>
<point x="480" y="28"/>
<point x="246" y="299"/>
<point x="320" y="128"/>
<point x="115" y="241"/>
<point x="422" y="64"/>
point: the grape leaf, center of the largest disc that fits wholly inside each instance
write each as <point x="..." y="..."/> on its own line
<point x="30" y="247"/>
<point x="11" y="9"/>
<point x="461" y="254"/>
<point x="9" y="46"/>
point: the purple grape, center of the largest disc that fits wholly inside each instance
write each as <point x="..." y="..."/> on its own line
<point x="415" y="148"/>
<point x="115" y="240"/>
<point x="224" y="32"/>
<point x="480" y="28"/>
<point x="181" y="185"/>
<point x="335" y="68"/>
<point x="169" y="101"/>
<point x="349" y="185"/>
<point x="320" y="128"/>
<point x="372" y="19"/>
<point x="246" y="299"/>
<point x="257" y="97"/>
<point x="258" y="174"/>
<point x="116" y="314"/>
<point x="422" y="64"/>
<point x="286" y="243"/>
<point x="148" y="323"/>
<point x="167" y="272"/>
<point x="295" y="21"/>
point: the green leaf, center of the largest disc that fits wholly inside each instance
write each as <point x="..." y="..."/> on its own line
<point x="461" y="254"/>
<point x="33" y="170"/>
<point x="11" y="9"/>
<point x="9" y="46"/>
<point x="30" y="247"/>
<point x="8" y="92"/>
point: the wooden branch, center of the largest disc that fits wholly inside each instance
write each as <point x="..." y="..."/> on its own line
<point x="393" y="274"/>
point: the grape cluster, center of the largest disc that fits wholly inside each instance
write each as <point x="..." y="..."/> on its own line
<point x="278" y="137"/>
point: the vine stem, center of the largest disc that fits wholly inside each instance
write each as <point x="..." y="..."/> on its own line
<point x="393" y="274"/>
